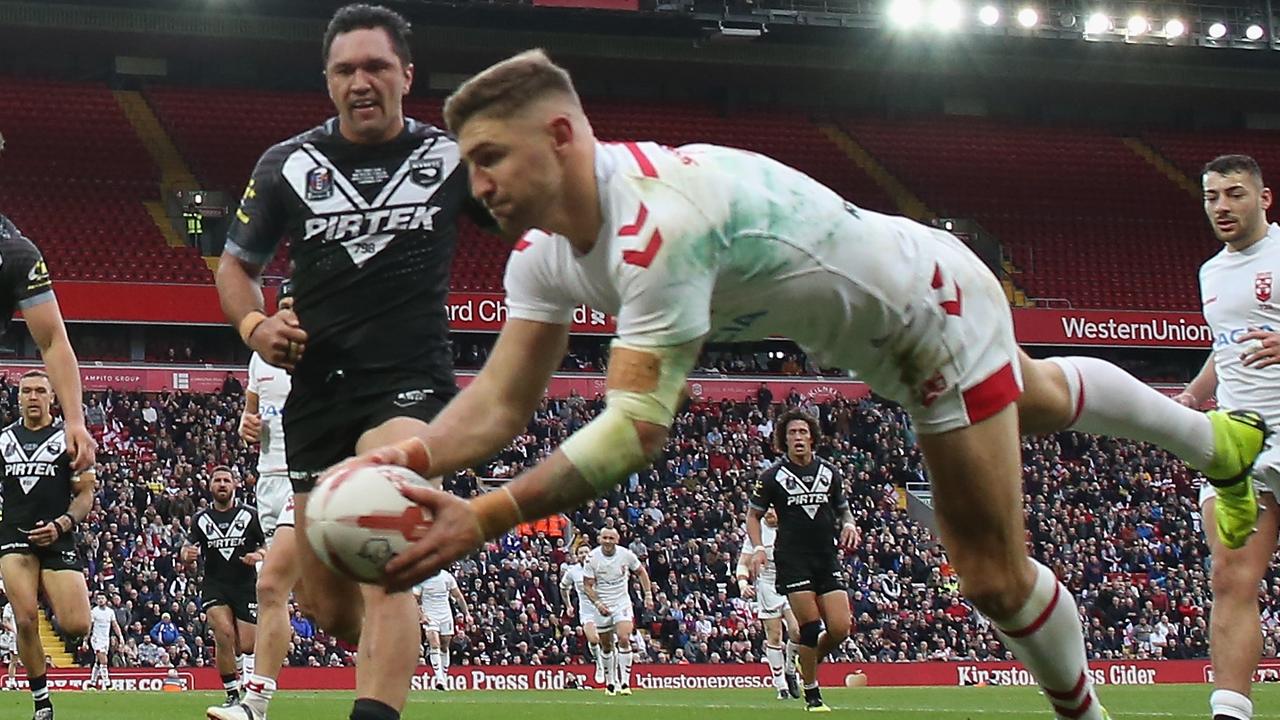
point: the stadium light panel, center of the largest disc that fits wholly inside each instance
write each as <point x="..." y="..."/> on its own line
<point x="1174" y="28"/>
<point x="1254" y="32"/>
<point x="1217" y="31"/>
<point x="1136" y="26"/>
<point x="905" y="13"/>
<point x="946" y="14"/>
<point x="1028" y="17"/>
<point x="1097" y="24"/>
<point x="989" y="15"/>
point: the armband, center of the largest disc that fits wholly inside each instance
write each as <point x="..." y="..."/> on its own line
<point x="249" y="323"/>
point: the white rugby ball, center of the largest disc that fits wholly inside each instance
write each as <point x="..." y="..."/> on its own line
<point x="357" y="520"/>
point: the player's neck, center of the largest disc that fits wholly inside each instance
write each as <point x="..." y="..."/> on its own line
<point x="1256" y="238"/>
<point x="223" y="507"/>
<point x="393" y="132"/>
<point x="577" y="215"/>
<point x="37" y="423"/>
<point x="801" y="460"/>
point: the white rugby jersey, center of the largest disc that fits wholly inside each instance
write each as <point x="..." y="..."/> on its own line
<point x="710" y="241"/>
<point x="435" y="594"/>
<point x="612" y="573"/>
<point x="101" y="619"/>
<point x="767" y="537"/>
<point x="272" y="386"/>
<point x="1238" y="291"/>
<point x="571" y="577"/>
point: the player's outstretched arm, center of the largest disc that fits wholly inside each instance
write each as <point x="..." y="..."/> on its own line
<point x="492" y="410"/>
<point x="754" y="534"/>
<point x="646" y="585"/>
<point x="44" y="321"/>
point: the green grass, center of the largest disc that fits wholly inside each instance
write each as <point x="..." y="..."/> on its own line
<point x="1172" y="702"/>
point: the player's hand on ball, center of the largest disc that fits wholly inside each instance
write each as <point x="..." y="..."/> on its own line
<point x="758" y="561"/>
<point x="280" y="340"/>
<point x="251" y="427"/>
<point x="81" y="447"/>
<point x="1262" y="348"/>
<point x="44" y="534"/>
<point x="454" y="533"/>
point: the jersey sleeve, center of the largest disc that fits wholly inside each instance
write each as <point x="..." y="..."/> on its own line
<point x="195" y="536"/>
<point x="669" y="255"/>
<point x="588" y="571"/>
<point x="253" y="386"/>
<point x="532" y="292"/>
<point x="762" y="493"/>
<point x="260" y="221"/>
<point x="566" y="580"/>
<point x="25" y="274"/>
<point x="450" y="582"/>
<point x="257" y="536"/>
<point x="838" y="498"/>
<point x="633" y="562"/>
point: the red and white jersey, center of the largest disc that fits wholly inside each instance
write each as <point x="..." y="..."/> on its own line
<point x="1238" y="291"/>
<point x="612" y="574"/>
<point x="272" y="385"/>
<point x="708" y="241"/>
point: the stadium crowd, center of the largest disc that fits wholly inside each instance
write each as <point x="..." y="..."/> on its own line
<point x="1116" y="520"/>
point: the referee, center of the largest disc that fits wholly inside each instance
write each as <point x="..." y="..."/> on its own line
<point x="813" y="514"/>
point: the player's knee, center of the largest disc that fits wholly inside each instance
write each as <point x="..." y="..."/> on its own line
<point x="1232" y="576"/>
<point x="271" y="590"/>
<point x="838" y="628"/>
<point x="27" y="620"/>
<point x="75" y="628"/>
<point x="809" y="633"/>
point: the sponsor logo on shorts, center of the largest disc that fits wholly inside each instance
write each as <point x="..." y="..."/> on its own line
<point x="412" y="397"/>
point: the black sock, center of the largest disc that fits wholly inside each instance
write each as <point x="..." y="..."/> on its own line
<point x="370" y="709"/>
<point x="40" y="691"/>
<point x="812" y="693"/>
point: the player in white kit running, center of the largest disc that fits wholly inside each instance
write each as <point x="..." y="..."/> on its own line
<point x="280" y="571"/>
<point x="102" y="627"/>
<point x="9" y="645"/>
<point x="771" y="607"/>
<point x="606" y="579"/>
<point x="709" y="244"/>
<point x="1242" y="307"/>
<point x="572" y="579"/>
<point x="437" y="619"/>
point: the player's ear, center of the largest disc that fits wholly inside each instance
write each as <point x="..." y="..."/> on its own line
<point x="1266" y="198"/>
<point x="561" y="130"/>
<point x="408" y="78"/>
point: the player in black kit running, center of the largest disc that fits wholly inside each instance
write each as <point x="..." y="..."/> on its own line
<point x="44" y="500"/>
<point x="230" y="537"/>
<point x="370" y="199"/>
<point x="808" y="494"/>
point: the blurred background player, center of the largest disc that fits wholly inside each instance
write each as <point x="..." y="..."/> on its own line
<point x="263" y="422"/>
<point x="572" y="579"/>
<point x="371" y="199"/>
<point x="9" y="645"/>
<point x="808" y="495"/>
<point x="772" y="607"/>
<point x="437" y="619"/>
<point x="44" y="500"/>
<point x="1240" y="372"/>
<point x="230" y="537"/>
<point x="607" y="582"/>
<point x="102" y="628"/>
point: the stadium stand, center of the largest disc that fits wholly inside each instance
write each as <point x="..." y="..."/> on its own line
<point x="1117" y="521"/>
<point x="74" y="177"/>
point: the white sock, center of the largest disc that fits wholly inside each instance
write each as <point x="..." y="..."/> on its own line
<point x="1109" y="401"/>
<point x="106" y="674"/>
<point x="240" y="665"/>
<point x="1231" y="704"/>
<point x="246" y="667"/>
<point x="437" y="665"/>
<point x="1046" y="636"/>
<point x="258" y="692"/>
<point x="609" y="678"/>
<point x="773" y="655"/>
<point x="597" y="655"/>
<point x="624" y="667"/>
<point x="793" y="650"/>
<point x="446" y="658"/>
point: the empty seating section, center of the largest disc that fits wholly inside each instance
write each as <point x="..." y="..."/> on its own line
<point x="1190" y="151"/>
<point x="1084" y="217"/>
<point x="74" y="177"/>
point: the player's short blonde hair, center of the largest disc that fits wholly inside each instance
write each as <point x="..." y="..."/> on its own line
<point x="508" y="87"/>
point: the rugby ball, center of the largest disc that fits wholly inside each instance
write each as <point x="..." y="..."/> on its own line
<point x="357" y="520"/>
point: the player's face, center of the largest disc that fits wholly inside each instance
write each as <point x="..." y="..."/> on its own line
<point x="608" y="541"/>
<point x="514" y="167"/>
<point x="367" y="83"/>
<point x="222" y="486"/>
<point x="771" y="517"/>
<point x="583" y="552"/>
<point x="102" y="601"/>
<point x="1236" y="205"/>
<point x="35" y="396"/>
<point x="799" y="439"/>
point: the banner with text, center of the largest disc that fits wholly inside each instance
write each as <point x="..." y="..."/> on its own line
<point x="1111" y="328"/>
<point x="648" y="676"/>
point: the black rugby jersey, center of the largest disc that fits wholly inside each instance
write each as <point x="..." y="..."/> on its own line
<point x="373" y="229"/>
<point x="224" y="537"/>
<point x="810" y="501"/>
<point x="24" y="277"/>
<point x="37" y="475"/>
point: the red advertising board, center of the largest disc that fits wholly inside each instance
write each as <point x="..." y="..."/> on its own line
<point x="1111" y="328"/>
<point x="692" y="677"/>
